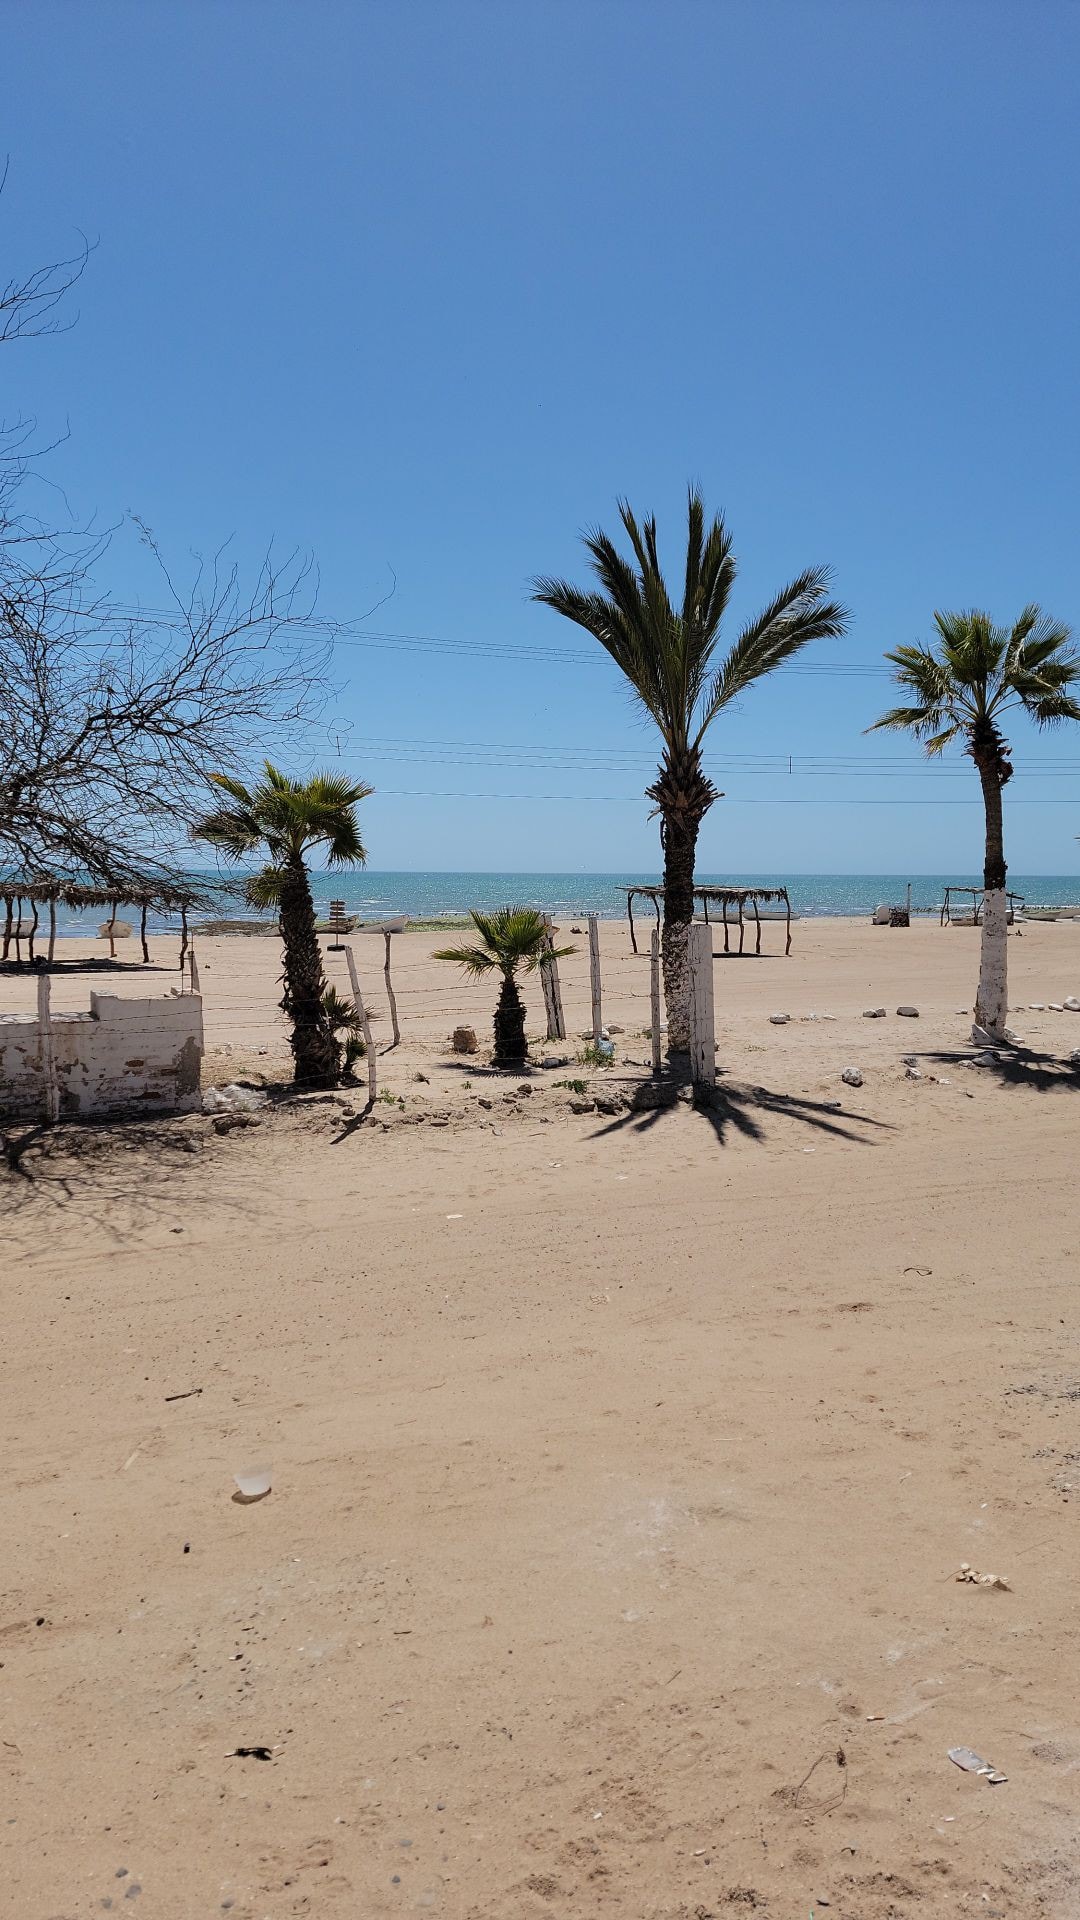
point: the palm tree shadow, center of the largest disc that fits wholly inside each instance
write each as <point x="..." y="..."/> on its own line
<point x="732" y="1109"/>
<point x="1021" y="1067"/>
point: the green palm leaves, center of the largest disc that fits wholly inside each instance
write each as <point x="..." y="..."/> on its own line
<point x="287" y="817"/>
<point x="978" y="672"/>
<point x="667" y="652"/>
<point x="512" y="937"/>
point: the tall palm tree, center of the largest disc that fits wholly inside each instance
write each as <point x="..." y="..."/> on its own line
<point x="512" y="937"/>
<point x="667" y="654"/>
<point x="288" y="818"/>
<point x="962" y="687"/>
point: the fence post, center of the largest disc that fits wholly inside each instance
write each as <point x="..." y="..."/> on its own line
<point x="390" y="992"/>
<point x="702" y="1024"/>
<point x="654" y="997"/>
<point x="193" y="969"/>
<point x="45" y="1041"/>
<point x="365" y="1027"/>
<point x="549" y="980"/>
<point x="594" y="976"/>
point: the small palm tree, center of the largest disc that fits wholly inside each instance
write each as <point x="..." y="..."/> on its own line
<point x="512" y="937"/>
<point x="962" y="687"/>
<point x="667" y="654"/>
<point x="289" y="818"/>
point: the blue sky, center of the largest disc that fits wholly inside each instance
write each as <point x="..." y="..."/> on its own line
<point x="427" y="286"/>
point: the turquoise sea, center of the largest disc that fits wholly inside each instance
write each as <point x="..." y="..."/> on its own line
<point x="430" y="896"/>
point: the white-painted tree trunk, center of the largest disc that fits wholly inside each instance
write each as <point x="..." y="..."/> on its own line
<point x="992" y="1004"/>
<point x="676" y="952"/>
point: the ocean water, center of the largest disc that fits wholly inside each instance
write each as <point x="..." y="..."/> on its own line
<point x="430" y="896"/>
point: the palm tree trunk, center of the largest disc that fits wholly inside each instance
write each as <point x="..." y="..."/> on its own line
<point x="992" y="1003"/>
<point x="316" y="1053"/>
<point x="511" y="1046"/>
<point x="680" y="850"/>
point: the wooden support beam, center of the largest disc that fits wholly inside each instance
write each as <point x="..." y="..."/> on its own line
<point x="549" y="980"/>
<point x="742" y="927"/>
<point x="594" y="976"/>
<point x="787" y="903"/>
<point x="723" y="903"/>
<point x="52" y="931"/>
<point x="630" y="916"/>
<point x="33" y="929"/>
<point x="757" y="919"/>
<point x="654" y="997"/>
<point x="365" y="1026"/>
<point x="390" y="993"/>
<point x="183" y="937"/>
<point x="142" y="934"/>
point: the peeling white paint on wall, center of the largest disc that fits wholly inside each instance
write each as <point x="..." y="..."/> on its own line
<point x="122" y="1056"/>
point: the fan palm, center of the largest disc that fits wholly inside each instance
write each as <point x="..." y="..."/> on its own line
<point x="668" y="654"/>
<point x="512" y="937"/>
<point x="289" y="818"/>
<point x="960" y="689"/>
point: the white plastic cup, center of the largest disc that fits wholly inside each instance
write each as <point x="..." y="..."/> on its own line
<point x="253" y="1482"/>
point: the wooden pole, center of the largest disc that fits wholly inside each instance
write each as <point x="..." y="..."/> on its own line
<point x="742" y="925"/>
<point x="757" y="919"/>
<point x="33" y="930"/>
<point x="654" y="998"/>
<point x="549" y="980"/>
<point x="390" y="993"/>
<point x="193" y="969"/>
<point x="112" y="934"/>
<point x="365" y="1026"/>
<point x="594" y="976"/>
<point x="142" y="934"/>
<point x="52" y="931"/>
<point x="630" y="917"/>
<point x="45" y="1041"/>
<point x="787" y="903"/>
<point x="183" y="937"/>
<point x="724" y="905"/>
<point x="18" y="934"/>
<point x="9" y="917"/>
<point x="702" y="1023"/>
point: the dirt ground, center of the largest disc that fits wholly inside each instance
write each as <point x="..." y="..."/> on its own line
<point x="623" y="1463"/>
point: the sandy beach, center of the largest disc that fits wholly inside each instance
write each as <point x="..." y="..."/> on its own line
<point x="623" y="1462"/>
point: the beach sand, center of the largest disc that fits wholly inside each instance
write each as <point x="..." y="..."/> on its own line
<point x="622" y="1465"/>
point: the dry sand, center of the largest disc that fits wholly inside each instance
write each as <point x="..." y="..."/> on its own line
<point x="622" y="1465"/>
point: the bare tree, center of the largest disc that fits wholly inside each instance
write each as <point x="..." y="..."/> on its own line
<point x="111" y="720"/>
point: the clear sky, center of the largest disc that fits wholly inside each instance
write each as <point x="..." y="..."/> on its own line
<point x="427" y="286"/>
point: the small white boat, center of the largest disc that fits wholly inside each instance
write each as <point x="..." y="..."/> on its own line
<point x="397" y="925"/>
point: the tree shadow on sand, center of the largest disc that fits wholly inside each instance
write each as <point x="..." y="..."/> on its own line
<point x="1015" y="1066"/>
<point x="732" y="1108"/>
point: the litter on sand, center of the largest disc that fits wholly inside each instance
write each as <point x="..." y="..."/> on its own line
<point x="971" y="1576"/>
<point x="971" y="1763"/>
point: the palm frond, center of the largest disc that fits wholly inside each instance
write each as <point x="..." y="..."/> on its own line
<point x="475" y="960"/>
<point x="263" y="889"/>
<point x="511" y="937"/>
<point x="799" y="614"/>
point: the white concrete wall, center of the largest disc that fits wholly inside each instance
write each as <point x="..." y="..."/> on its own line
<point x="122" y="1056"/>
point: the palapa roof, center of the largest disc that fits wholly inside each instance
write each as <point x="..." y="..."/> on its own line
<point x="731" y="894"/>
<point x="168" y="894"/>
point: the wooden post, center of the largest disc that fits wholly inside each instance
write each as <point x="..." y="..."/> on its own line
<point x="9" y="917"/>
<point x="594" y="976"/>
<point x="757" y="918"/>
<point x="702" y="1024"/>
<point x="365" y="1026"/>
<point x="549" y="980"/>
<point x="654" y="998"/>
<point x="52" y="931"/>
<point x="33" y="930"/>
<point x="45" y="1041"/>
<point x="142" y="934"/>
<point x="18" y="934"/>
<point x="112" y="935"/>
<point x="742" y="924"/>
<point x="787" y="903"/>
<point x="630" y="917"/>
<point x="183" y="938"/>
<point x="193" y="969"/>
<point x="724" y="905"/>
<point x="390" y="993"/>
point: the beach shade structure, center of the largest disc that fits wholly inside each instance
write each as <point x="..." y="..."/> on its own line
<point x="972" y="916"/>
<point x="729" y="899"/>
<point x="17" y="893"/>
